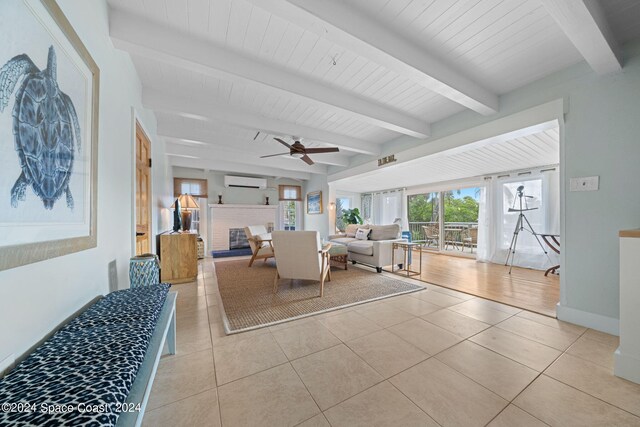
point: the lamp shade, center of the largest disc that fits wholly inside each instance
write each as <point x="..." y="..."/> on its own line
<point x="188" y="202"/>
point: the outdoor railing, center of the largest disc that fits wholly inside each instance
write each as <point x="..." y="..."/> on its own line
<point x="456" y="234"/>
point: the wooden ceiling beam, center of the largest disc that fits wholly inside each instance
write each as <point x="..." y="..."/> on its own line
<point x="341" y="23"/>
<point x="187" y="161"/>
<point x="160" y="43"/>
<point x="584" y="22"/>
<point x="175" y="148"/>
<point x="205" y="109"/>
<point x="211" y="140"/>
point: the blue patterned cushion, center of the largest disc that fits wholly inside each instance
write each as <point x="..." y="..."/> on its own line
<point x="93" y="360"/>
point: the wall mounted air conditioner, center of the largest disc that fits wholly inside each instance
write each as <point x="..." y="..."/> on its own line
<point x="244" y="182"/>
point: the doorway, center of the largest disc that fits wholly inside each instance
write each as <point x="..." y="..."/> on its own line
<point x="143" y="191"/>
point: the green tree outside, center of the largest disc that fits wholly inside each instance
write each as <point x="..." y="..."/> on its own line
<point x="424" y="208"/>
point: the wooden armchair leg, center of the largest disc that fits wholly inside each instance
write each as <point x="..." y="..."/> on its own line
<point x="253" y="257"/>
<point x="321" y="285"/>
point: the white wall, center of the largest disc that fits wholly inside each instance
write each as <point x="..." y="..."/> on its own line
<point x="241" y="196"/>
<point x="601" y="136"/>
<point x="35" y="298"/>
<point x="319" y="222"/>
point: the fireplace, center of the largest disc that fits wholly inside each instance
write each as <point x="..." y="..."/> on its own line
<point x="227" y="217"/>
<point x="237" y="238"/>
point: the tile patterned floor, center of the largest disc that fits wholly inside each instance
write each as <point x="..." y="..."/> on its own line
<point x="436" y="357"/>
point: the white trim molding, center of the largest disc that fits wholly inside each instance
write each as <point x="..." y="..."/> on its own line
<point x="533" y="119"/>
<point x="595" y="321"/>
<point x="626" y="366"/>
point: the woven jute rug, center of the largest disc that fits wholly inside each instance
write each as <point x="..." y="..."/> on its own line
<point x="249" y="302"/>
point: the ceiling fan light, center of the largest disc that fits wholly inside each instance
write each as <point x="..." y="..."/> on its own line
<point x="297" y="155"/>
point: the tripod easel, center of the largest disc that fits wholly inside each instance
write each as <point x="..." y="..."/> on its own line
<point x="522" y="224"/>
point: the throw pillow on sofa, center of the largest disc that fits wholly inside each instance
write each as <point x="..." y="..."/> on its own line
<point x="350" y="230"/>
<point x="362" y="233"/>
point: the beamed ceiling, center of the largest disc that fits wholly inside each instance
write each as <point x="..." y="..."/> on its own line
<point x="353" y="74"/>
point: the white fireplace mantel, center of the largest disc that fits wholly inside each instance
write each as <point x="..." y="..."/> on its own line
<point x="240" y="206"/>
<point x="222" y="217"/>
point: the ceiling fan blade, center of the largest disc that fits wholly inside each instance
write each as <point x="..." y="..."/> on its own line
<point x="273" y="155"/>
<point x="307" y="159"/>
<point x="284" y="143"/>
<point x="322" y="150"/>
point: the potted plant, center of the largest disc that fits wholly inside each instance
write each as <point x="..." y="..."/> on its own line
<point x="351" y="216"/>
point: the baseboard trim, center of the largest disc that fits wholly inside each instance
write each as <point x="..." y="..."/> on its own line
<point x="595" y="321"/>
<point x="626" y="366"/>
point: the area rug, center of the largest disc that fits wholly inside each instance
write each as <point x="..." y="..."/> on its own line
<point x="249" y="302"/>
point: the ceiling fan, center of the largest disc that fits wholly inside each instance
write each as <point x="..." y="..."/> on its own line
<point x="299" y="151"/>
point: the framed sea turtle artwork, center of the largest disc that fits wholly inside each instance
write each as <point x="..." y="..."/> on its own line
<point x="49" y="89"/>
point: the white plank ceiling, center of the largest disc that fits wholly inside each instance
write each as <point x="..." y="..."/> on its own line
<point x="494" y="45"/>
<point x="472" y="160"/>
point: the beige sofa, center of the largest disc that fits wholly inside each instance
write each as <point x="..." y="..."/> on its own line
<point x="376" y="250"/>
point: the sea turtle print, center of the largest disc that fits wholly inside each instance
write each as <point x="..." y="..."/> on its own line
<point x="45" y="129"/>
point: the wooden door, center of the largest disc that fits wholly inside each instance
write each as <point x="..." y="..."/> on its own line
<point x="143" y="192"/>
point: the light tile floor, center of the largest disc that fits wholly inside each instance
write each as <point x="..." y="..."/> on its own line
<point x="431" y="358"/>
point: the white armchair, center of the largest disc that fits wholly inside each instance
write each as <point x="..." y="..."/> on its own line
<point x="260" y="242"/>
<point x="300" y="255"/>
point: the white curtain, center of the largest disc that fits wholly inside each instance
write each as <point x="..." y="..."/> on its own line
<point x="367" y="207"/>
<point x="496" y="224"/>
<point x="486" y="242"/>
<point x="404" y="211"/>
<point x="388" y="206"/>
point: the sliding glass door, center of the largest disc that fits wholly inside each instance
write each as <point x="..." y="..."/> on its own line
<point x="424" y="219"/>
<point x="460" y="225"/>
<point x="445" y="220"/>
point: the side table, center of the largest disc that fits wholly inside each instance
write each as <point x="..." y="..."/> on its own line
<point x="406" y="247"/>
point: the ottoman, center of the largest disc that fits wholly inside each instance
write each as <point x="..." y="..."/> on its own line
<point x="338" y="255"/>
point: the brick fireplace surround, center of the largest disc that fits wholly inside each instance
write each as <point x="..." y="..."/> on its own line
<point x="223" y="217"/>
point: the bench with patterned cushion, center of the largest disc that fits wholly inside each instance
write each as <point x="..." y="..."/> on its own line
<point x="90" y="363"/>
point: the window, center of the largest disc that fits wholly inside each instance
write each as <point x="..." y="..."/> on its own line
<point x="342" y="204"/>
<point x="196" y="187"/>
<point x="290" y="197"/>
<point x="290" y="192"/>
<point x="195" y="219"/>
<point x="289" y="214"/>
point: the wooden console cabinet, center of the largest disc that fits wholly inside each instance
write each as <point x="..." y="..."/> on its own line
<point x="178" y="257"/>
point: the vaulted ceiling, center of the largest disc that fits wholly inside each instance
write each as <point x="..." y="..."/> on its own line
<point x="226" y="76"/>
